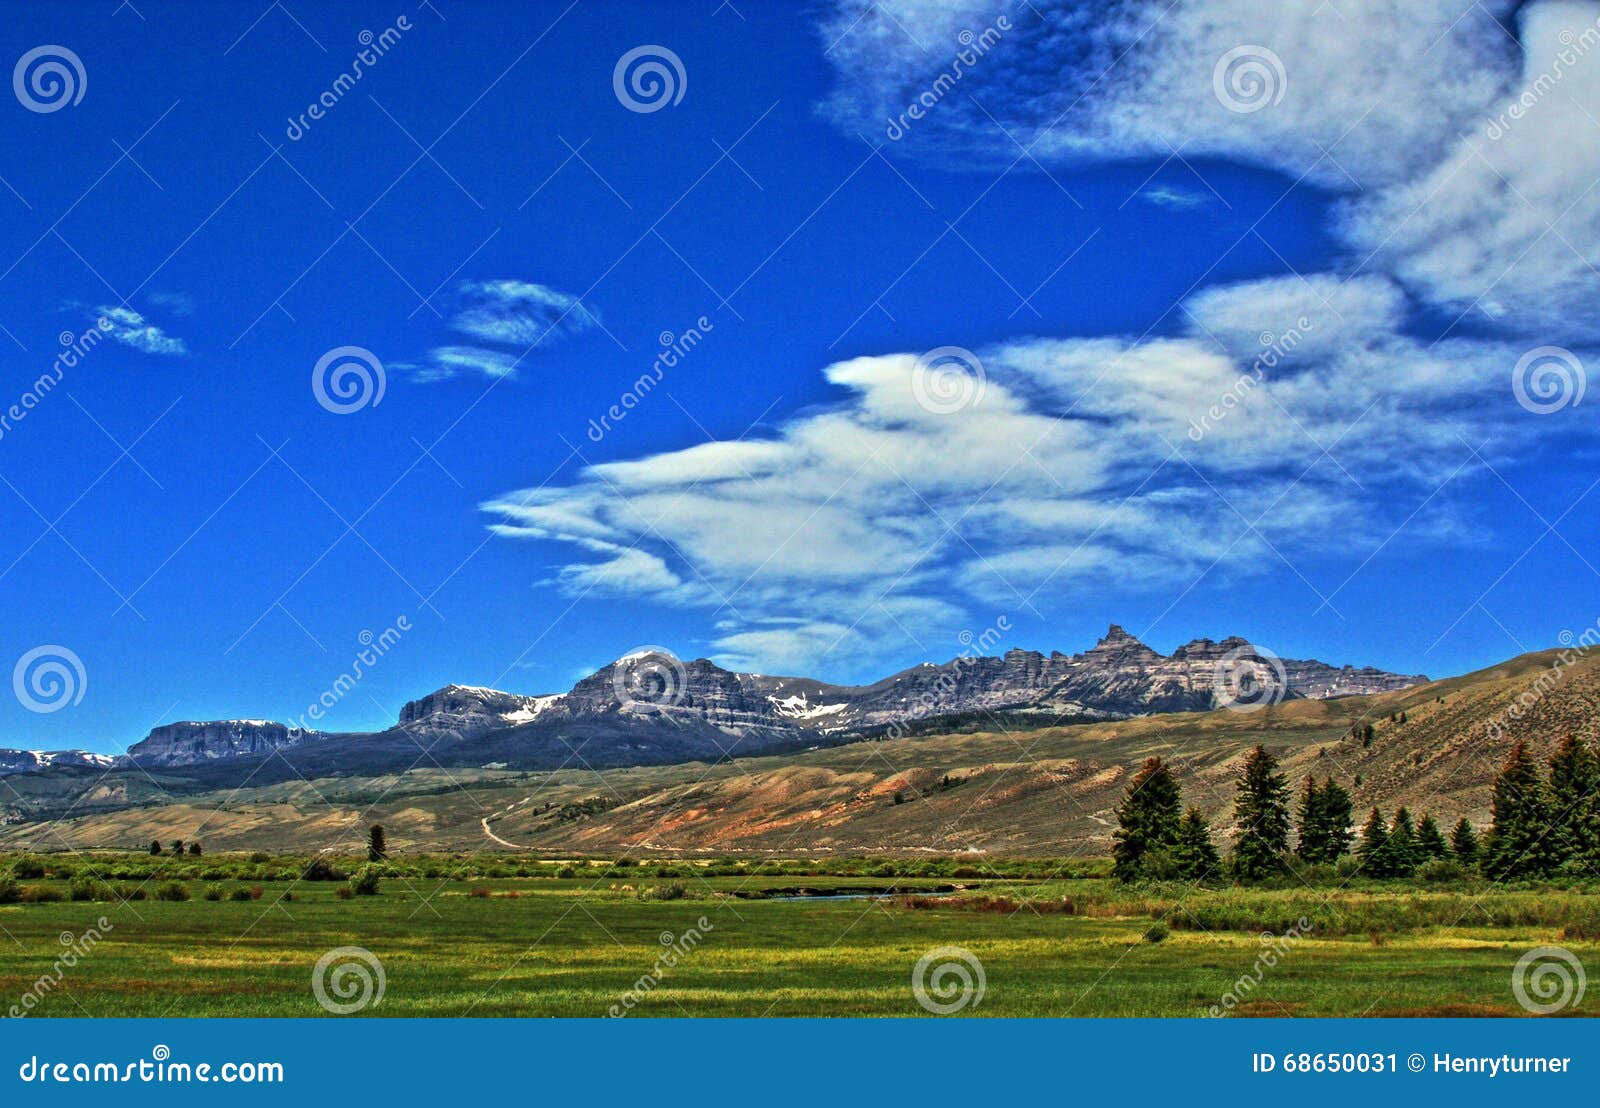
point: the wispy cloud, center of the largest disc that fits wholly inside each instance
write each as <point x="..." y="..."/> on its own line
<point x="132" y="329"/>
<point x="885" y="516"/>
<point x="518" y="313"/>
<point x="1467" y="169"/>
<point x="518" y="316"/>
<point x="178" y="303"/>
<point x="1165" y="196"/>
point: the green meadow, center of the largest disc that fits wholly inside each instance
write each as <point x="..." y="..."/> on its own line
<point x="242" y="936"/>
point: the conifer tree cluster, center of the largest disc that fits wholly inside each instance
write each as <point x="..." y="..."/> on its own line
<point x="1542" y="820"/>
<point x="1541" y="824"/>
<point x="1155" y="838"/>
<point x="1324" y="818"/>
<point x="1400" y="848"/>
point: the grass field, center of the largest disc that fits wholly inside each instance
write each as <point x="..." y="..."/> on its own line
<point x="600" y="942"/>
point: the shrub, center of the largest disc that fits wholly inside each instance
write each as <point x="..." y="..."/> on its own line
<point x="481" y="892"/>
<point x="365" y="883"/>
<point x="240" y="894"/>
<point x="321" y="869"/>
<point x="674" y="891"/>
<point x="9" y="892"/>
<point x="26" y="869"/>
<point x="83" y="888"/>
<point x="566" y="871"/>
<point x="131" y="892"/>
<point x="214" y="892"/>
<point x="1157" y="932"/>
<point x="1347" y="866"/>
<point x="172" y="890"/>
<point x="1435" y="870"/>
<point x="259" y="856"/>
<point x="42" y="894"/>
<point x="343" y="892"/>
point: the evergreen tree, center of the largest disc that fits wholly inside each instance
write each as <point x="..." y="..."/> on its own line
<point x="1261" y="812"/>
<point x="155" y="846"/>
<point x="1312" y="841"/>
<point x="194" y="850"/>
<point x="1147" y="819"/>
<point x="1464" y="843"/>
<point x="1373" y="850"/>
<point x="1574" y="802"/>
<point x="177" y="846"/>
<point x="377" y="849"/>
<point x="1430" y="841"/>
<point x="1324" y="821"/>
<point x="1338" y="813"/>
<point x="1518" y="845"/>
<point x="1195" y="855"/>
<point x="1404" y="857"/>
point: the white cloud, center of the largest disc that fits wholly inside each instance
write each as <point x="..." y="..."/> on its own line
<point x="519" y="315"/>
<point x="1506" y="229"/>
<point x="1165" y="196"/>
<point x="132" y="329"/>
<point x="1283" y="411"/>
<point x="1087" y="461"/>
<point x="1467" y="154"/>
<point x="445" y="362"/>
<point x="1376" y="90"/>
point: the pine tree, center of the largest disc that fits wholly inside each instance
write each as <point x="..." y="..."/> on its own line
<point x="1338" y="813"/>
<point x="194" y="850"/>
<point x="1404" y="856"/>
<point x="1373" y="850"/>
<point x="1196" y="856"/>
<point x="1517" y="845"/>
<point x="155" y="846"/>
<point x="1464" y="843"/>
<point x="1324" y="822"/>
<point x="1261" y="813"/>
<point x="1147" y="819"/>
<point x="1312" y="841"/>
<point x="377" y="849"/>
<point x="1574" y="802"/>
<point x="1430" y="842"/>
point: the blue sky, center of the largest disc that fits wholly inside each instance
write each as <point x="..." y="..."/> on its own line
<point x="1095" y="215"/>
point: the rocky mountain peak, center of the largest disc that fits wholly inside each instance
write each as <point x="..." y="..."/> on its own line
<point x="187" y="742"/>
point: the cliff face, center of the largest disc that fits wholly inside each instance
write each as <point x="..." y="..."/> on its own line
<point x="176" y="744"/>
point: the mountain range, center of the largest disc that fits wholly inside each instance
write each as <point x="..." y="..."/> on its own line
<point x="650" y="708"/>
